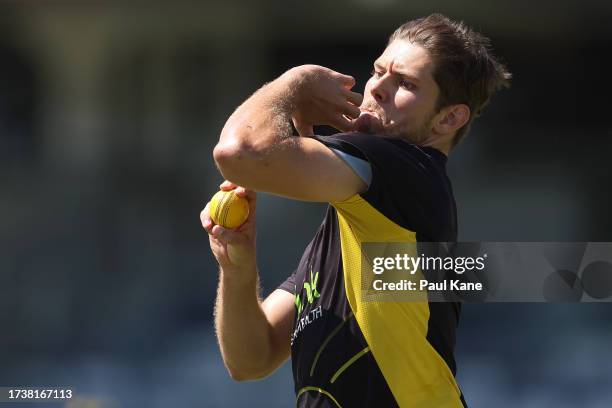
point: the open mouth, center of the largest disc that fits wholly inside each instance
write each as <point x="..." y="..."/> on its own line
<point x="368" y="122"/>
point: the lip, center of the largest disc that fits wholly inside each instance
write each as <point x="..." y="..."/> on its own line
<point x="368" y="122"/>
<point x="375" y="113"/>
<point x="371" y="112"/>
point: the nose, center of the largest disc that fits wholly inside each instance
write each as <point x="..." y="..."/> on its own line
<point x="378" y="89"/>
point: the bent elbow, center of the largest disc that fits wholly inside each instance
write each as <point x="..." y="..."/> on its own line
<point x="237" y="376"/>
<point x="241" y="376"/>
<point x="235" y="159"/>
<point x="225" y="154"/>
<point x="229" y="157"/>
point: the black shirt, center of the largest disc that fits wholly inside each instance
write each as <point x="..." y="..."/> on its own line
<point x="350" y="353"/>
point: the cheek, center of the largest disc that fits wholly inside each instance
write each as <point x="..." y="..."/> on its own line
<point x="404" y="108"/>
<point x="411" y="106"/>
<point x="406" y="101"/>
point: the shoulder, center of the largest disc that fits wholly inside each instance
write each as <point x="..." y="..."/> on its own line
<point x="393" y="160"/>
<point x="375" y="147"/>
<point x="409" y="182"/>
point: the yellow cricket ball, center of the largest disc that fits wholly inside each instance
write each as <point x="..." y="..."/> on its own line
<point x="228" y="209"/>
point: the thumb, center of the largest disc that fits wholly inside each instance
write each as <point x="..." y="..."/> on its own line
<point x="303" y="130"/>
<point x="237" y="250"/>
<point x="226" y="236"/>
<point x="227" y="185"/>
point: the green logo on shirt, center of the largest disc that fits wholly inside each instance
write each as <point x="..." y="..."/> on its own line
<point x="311" y="292"/>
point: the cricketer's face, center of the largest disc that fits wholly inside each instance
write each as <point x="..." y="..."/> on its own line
<point x="400" y="98"/>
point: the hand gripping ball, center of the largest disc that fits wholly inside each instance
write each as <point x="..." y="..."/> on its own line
<point x="228" y="209"/>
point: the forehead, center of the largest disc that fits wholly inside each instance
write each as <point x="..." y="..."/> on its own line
<point x="407" y="58"/>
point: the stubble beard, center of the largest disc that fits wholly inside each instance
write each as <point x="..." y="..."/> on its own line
<point x="408" y="132"/>
<point x="411" y="134"/>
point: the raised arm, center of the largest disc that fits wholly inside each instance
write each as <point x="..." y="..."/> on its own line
<point x="257" y="150"/>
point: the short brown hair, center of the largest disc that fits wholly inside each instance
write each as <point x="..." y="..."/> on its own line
<point x="464" y="67"/>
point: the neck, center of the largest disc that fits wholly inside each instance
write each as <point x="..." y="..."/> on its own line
<point x="438" y="142"/>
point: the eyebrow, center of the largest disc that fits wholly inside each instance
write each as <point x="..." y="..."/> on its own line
<point x="406" y="75"/>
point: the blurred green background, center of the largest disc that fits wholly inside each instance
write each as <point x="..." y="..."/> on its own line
<point x="108" y="115"/>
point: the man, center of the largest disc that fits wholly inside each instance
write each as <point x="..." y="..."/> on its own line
<point x="385" y="180"/>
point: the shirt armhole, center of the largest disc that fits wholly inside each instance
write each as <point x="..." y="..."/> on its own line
<point x="361" y="167"/>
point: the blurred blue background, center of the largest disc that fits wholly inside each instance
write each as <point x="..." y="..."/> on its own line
<point x="108" y="115"/>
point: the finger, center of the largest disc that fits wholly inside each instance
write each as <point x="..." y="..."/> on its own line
<point x="347" y="81"/>
<point x="349" y="110"/>
<point x="205" y="219"/>
<point x="246" y="193"/>
<point x="341" y="123"/>
<point x="354" y="97"/>
<point x="251" y="197"/>
<point x="227" y="185"/>
<point x="303" y="130"/>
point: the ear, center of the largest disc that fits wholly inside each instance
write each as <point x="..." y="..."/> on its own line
<point x="451" y="118"/>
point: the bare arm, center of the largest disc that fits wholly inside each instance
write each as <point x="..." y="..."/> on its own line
<point x="256" y="148"/>
<point x="254" y="336"/>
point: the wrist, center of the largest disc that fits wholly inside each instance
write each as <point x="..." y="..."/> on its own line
<point x="292" y="83"/>
<point x="238" y="276"/>
<point x="293" y="77"/>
